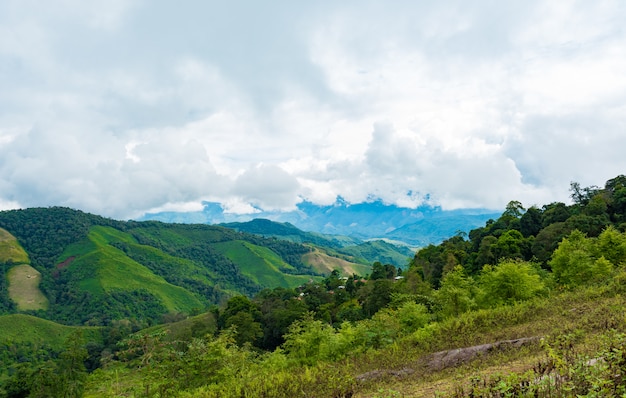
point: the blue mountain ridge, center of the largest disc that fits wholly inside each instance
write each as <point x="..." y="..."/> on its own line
<point x="369" y="220"/>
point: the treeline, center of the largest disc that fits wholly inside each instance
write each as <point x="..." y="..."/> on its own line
<point x="527" y="234"/>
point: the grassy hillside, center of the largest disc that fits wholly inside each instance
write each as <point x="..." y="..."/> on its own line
<point x="478" y="353"/>
<point x="10" y="249"/>
<point x="461" y="357"/>
<point x="104" y="268"/>
<point x="261" y="265"/>
<point x="360" y="251"/>
<point x="381" y="251"/>
<point x="324" y="263"/>
<point x="21" y="328"/>
<point x="96" y="270"/>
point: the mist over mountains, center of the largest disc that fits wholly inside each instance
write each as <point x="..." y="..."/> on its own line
<point x="369" y="220"/>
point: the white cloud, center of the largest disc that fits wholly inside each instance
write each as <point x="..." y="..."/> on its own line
<point x="127" y="106"/>
<point x="268" y="187"/>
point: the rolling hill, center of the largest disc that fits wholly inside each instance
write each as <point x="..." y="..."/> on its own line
<point x="95" y="270"/>
<point x="357" y="250"/>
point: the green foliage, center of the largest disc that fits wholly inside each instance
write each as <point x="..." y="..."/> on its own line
<point x="65" y="377"/>
<point x="579" y="260"/>
<point x="510" y="281"/>
<point x="97" y="270"/>
<point x="563" y="373"/>
<point x="11" y="252"/>
<point x="456" y="294"/>
<point x="611" y="244"/>
<point x="309" y="341"/>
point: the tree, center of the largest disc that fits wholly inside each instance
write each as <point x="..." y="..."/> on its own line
<point x="72" y="371"/>
<point x="510" y="281"/>
<point x="554" y="213"/>
<point x="376" y="296"/>
<point x="530" y="222"/>
<point x="510" y="245"/>
<point x="244" y="315"/>
<point x="380" y="271"/>
<point x="611" y="244"/>
<point x="66" y="377"/>
<point x="246" y="330"/>
<point x="581" y="196"/>
<point x="548" y="239"/>
<point x="412" y="316"/>
<point x="455" y="295"/>
<point x="486" y="253"/>
<point x="303" y="342"/>
<point x="572" y="262"/>
<point x="514" y="209"/>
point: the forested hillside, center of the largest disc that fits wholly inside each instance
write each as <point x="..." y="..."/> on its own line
<point x="536" y="296"/>
<point x="95" y="270"/>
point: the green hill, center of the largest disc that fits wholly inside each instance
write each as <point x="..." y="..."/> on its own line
<point x="363" y="252"/>
<point x="95" y="270"/>
<point x="102" y="268"/>
<point x="261" y="264"/>
<point x="22" y="328"/>
<point x="11" y="251"/>
<point x="381" y="251"/>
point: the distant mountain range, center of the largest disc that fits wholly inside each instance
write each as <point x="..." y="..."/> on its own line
<point x="353" y="249"/>
<point x="364" y="221"/>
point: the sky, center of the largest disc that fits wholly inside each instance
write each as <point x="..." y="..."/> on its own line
<point x="122" y="107"/>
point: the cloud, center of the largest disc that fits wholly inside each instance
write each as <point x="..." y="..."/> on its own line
<point x="268" y="187"/>
<point x="126" y="106"/>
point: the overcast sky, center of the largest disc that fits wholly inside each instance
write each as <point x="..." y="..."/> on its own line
<point x="119" y="107"/>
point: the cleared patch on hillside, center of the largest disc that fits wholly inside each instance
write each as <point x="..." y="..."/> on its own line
<point x="324" y="263"/>
<point x="10" y="249"/>
<point x="24" y="288"/>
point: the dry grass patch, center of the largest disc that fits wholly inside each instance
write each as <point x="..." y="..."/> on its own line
<point x="24" y="288"/>
<point x="324" y="263"/>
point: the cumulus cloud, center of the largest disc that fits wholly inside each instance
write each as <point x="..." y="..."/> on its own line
<point x="268" y="187"/>
<point x="125" y="106"/>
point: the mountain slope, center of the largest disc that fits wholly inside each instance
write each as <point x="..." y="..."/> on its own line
<point x="359" y="251"/>
<point x="103" y="268"/>
<point x="22" y="328"/>
<point x="95" y="270"/>
<point x="11" y="251"/>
